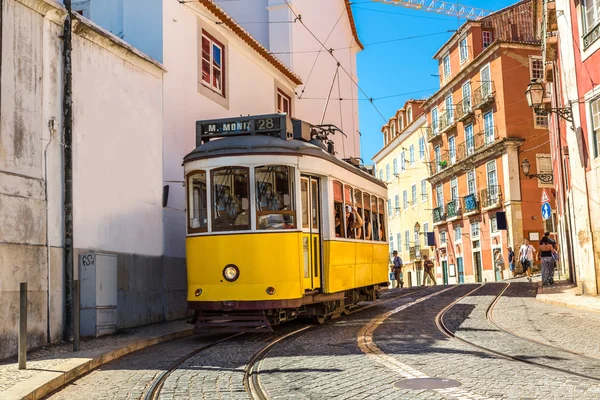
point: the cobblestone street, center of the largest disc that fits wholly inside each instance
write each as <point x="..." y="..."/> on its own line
<point x="365" y="354"/>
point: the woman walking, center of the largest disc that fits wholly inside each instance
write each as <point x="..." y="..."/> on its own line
<point x="548" y="263"/>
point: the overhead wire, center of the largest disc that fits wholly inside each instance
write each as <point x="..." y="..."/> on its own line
<point x="335" y="58"/>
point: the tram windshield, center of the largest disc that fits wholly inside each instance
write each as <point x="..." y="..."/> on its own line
<point x="275" y="197"/>
<point x="230" y="194"/>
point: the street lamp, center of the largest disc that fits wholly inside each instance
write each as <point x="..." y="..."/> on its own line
<point x="535" y="98"/>
<point x="526" y="167"/>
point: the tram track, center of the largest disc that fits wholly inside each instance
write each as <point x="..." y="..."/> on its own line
<point x="443" y="328"/>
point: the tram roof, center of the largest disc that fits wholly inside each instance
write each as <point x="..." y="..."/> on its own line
<point x="271" y="145"/>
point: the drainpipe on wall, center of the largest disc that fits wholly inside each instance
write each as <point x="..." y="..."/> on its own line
<point x="68" y="168"/>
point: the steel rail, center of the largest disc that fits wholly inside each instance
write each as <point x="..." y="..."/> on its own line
<point x="156" y="386"/>
<point x="490" y="317"/>
<point x="439" y="322"/>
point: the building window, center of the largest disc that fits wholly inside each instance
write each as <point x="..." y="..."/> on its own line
<point x="493" y="224"/>
<point x="387" y="172"/>
<point x="212" y="63"/>
<point x="392" y="242"/>
<point x="464" y="50"/>
<point x="397" y="203"/>
<point x="446" y="64"/>
<point x="454" y="188"/>
<point x="400" y="123"/>
<point x="403" y="161"/>
<point x="536" y="68"/>
<point x="457" y="233"/>
<point x="421" y="148"/>
<point x="439" y="195"/>
<point x="389" y="206"/>
<point x="392" y="130"/>
<point x="449" y="109"/>
<point x="474" y="229"/>
<point x="466" y="95"/>
<point x="284" y="103"/>
<point x="395" y="166"/>
<point x="469" y="139"/>
<point x="438" y="157"/>
<point x="595" y="111"/>
<point x="471" y="182"/>
<point x="434" y="120"/>
<point x="381" y="174"/>
<point x="442" y="237"/>
<point x="544" y="166"/>
<point x="452" y="149"/>
<point x="407" y="240"/>
<point x="591" y="14"/>
<point x="408" y="115"/>
<point x="487" y="38"/>
<point x="414" y="195"/>
<point x="405" y="199"/>
<point x="540" y="119"/>
<point x="411" y="154"/>
<point x="399" y="240"/>
<point x="423" y="190"/>
<point x="425" y="230"/>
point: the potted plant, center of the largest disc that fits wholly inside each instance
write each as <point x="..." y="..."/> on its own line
<point x="443" y="164"/>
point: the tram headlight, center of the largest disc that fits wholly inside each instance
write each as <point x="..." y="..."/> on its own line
<point x="198" y="292"/>
<point x="231" y="272"/>
<point x="271" y="290"/>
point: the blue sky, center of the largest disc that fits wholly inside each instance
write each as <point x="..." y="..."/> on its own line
<point x="398" y="67"/>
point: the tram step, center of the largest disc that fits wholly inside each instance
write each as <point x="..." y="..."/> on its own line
<point x="232" y="323"/>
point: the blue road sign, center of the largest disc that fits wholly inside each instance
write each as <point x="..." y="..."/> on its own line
<point x="546" y="211"/>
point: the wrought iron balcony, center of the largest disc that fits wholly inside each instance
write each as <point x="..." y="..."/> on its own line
<point x="415" y="253"/>
<point x="447" y="121"/>
<point x="476" y="142"/>
<point x="453" y="209"/>
<point x="471" y="203"/>
<point x="438" y="214"/>
<point x="484" y="94"/>
<point x="433" y="131"/>
<point x="439" y="163"/>
<point x="463" y="110"/>
<point x="491" y="197"/>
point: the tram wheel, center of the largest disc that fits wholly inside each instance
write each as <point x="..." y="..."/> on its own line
<point x="346" y="311"/>
<point x="319" y="319"/>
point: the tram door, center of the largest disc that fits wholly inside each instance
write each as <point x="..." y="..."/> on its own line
<point x="311" y="241"/>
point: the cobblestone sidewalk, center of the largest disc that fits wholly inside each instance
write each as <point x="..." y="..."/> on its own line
<point x="51" y="366"/>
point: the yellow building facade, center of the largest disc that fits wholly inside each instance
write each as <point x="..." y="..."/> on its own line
<point x="403" y="164"/>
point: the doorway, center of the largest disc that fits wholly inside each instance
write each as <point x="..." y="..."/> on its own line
<point x="477" y="267"/>
<point x="461" y="270"/>
<point x="311" y="239"/>
<point x="445" y="271"/>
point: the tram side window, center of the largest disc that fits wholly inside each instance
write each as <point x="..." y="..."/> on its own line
<point x="338" y="209"/>
<point x="381" y="221"/>
<point x="374" y="218"/>
<point x="368" y="227"/>
<point x="230" y="193"/>
<point x="197" y="204"/>
<point x="348" y="211"/>
<point x="358" y="198"/>
<point x="275" y="197"/>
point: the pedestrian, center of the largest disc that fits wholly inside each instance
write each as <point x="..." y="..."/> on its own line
<point x="428" y="268"/>
<point x="511" y="261"/>
<point x="526" y="257"/>
<point x="397" y="269"/>
<point x="499" y="264"/>
<point x="546" y="255"/>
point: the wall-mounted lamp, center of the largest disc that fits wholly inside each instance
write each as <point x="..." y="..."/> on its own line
<point x="526" y="167"/>
<point x="535" y="98"/>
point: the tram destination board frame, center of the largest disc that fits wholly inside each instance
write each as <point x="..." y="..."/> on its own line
<point x="279" y="125"/>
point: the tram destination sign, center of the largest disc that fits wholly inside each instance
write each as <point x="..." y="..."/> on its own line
<point x="270" y="124"/>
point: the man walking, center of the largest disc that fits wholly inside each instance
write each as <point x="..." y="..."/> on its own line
<point x="397" y="269"/>
<point x="526" y="256"/>
<point x="511" y="261"/>
<point x="428" y="269"/>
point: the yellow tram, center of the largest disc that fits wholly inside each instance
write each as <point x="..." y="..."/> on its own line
<point x="277" y="226"/>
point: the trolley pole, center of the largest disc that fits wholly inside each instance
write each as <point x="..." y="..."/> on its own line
<point x="23" y="325"/>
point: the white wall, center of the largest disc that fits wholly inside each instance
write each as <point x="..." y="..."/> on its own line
<point x="319" y="17"/>
<point x="251" y="83"/>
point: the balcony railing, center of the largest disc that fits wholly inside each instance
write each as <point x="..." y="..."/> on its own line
<point x="415" y="253"/>
<point x="438" y="214"/>
<point x="476" y="142"/>
<point x="463" y="109"/>
<point x="491" y="196"/>
<point x="471" y="203"/>
<point x="447" y="121"/>
<point x="484" y="94"/>
<point x="453" y="209"/>
<point x="439" y="163"/>
<point x="433" y="131"/>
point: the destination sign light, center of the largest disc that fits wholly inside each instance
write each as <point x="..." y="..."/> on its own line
<point x="272" y="124"/>
<point x="219" y="128"/>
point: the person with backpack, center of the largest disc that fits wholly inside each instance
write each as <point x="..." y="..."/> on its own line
<point x="397" y="269"/>
<point x="526" y="256"/>
<point x="428" y="269"/>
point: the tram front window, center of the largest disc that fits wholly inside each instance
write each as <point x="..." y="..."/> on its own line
<point x="230" y="192"/>
<point x="197" y="202"/>
<point x="275" y="197"/>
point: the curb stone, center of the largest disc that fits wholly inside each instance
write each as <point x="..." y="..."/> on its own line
<point x="46" y="382"/>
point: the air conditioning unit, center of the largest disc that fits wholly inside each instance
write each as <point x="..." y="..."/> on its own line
<point x="98" y="294"/>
